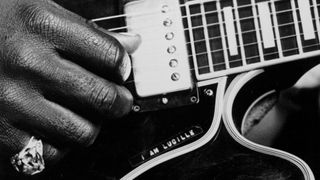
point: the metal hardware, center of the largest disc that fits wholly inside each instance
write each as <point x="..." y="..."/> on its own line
<point x="169" y="36"/>
<point x="167" y="22"/>
<point x="175" y="76"/>
<point x="165" y="100"/>
<point x="136" y="108"/>
<point x="173" y="63"/>
<point x="194" y="99"/>
<point x="172" y="49"/>
<point x="208" y="92"/>
<point x="165" y="9"/>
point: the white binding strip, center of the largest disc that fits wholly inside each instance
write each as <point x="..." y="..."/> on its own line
<point x="256" y="24"/>
<point x="275" y="21"/>
<point x="206" y="35"/>
<point x="296" y="25"/>
<point x="231" y="31"/>
<point x="266" y="25"/>
<point x="194" y="145"/>
<point x="306" y="19"/>
<point x="243" y="54"/>
<point x="224" y="43"/>
<point x="230" y="96"/>
<point x="316" y="13"/>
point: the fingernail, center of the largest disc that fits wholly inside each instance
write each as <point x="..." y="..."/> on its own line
<point x="123" y="103"/>
<point x="126" y="69"/>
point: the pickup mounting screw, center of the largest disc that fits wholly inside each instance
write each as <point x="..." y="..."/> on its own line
<point x="172" y="49"/>
<point x="193" y="99"/>
<point x="208" y="92"/>
<point x="164" y="100"/>
<point x="165" y="9"/>
<point x="169" y="36"/>
<point x="173" y="63"/>
<point x="175" y="76"/>
<point x="136" y="108"/>
<point x="167" y="22"/>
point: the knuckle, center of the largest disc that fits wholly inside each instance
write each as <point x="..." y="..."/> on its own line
<point x="51" y="154"/>
<point x="114" y="53"/>
<point x="9" y="94"/>
<point x="24" y="59"/>
<point x="103" y="97"/>
<point x="87" y="135"/>
<point x="37" y="18"/>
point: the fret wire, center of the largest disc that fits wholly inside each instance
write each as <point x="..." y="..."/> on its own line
<point x="267" y="54"/>
<point x="216" y="11"/>
<point x="241" y="19"/>
<point x="253" y="30"/>
<point x="251" y="44"/>
<point x="243" y="32"/>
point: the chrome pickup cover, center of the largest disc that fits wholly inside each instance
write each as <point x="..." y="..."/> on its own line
<point x="160" y="65"/>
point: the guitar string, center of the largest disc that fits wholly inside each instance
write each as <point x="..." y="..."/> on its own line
<point x="216" y="64"/>
<point x="237" y="60"/>
<point x="156" y="12"/>
<point x="178" y="10"/>
<point x="238" y="46"/>
<point x="237" y="34"/>
<point x="225" y="36"/>
<point x="211" y="24"/>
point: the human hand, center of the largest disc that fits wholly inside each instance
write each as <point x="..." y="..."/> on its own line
<point x="55" y="67"/>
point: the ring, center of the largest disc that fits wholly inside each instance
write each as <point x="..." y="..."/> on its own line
<point x="29" y="160"/>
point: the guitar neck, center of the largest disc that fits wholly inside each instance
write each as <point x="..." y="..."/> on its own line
<point x="232" y="36"/>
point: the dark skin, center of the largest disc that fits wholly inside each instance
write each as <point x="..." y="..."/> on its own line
<point x="56" y="69"/>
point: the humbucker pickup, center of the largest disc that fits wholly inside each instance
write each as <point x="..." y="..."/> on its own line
<point x="161" y="63"/>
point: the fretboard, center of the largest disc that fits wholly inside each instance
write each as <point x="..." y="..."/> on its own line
<point x="231" y="36"/>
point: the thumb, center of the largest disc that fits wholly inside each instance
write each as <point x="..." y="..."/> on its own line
<point x="129" y="41"/>
<point x="310" y="79"/>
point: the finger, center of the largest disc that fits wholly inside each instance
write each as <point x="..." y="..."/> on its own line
<point x="129" y="41"/>
<point x="67" y="83"/>
<point x="310" y="79"/>
<point x="71" y="84"/>
<point x="80" y="41"/>
<point x="54" y="123"/>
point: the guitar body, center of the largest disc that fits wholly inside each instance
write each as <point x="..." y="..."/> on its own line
<point x="199" y="141"/>
<point x="228" y="155"/>
<point x="219" y="151"/>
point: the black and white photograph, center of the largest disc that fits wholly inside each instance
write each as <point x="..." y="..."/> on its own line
<point x="159" y="89"/>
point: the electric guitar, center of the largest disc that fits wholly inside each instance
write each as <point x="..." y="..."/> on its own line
<point x="200" y="66"/>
